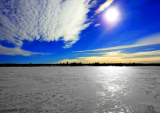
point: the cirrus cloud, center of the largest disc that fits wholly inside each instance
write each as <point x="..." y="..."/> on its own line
<point x="18" y="51"/>
<point x="46" y="20"/>
<point x="119" y="57"/>
<point x="104" y="6"/>
<point x="145" y="41"/>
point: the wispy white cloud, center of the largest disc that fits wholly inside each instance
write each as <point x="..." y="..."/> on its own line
<point x="97" y="25"/>
<point x="45" y="20"/>
<point x="150" y="40"/>
<point x="104" y="6"/>
<point x="17" y="51"/>
<point x="149" y="49"/>
<point x="119" y="56"/>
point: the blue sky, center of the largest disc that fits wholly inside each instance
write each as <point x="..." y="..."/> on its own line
<point x="49" y="31"/>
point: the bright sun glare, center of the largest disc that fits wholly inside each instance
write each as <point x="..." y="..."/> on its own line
<point x="112" y="15"/>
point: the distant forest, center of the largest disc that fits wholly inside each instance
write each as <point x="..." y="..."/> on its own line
<point x="79" y="64"/>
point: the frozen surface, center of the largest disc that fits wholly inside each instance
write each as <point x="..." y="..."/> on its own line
<point x="80" y="90"/>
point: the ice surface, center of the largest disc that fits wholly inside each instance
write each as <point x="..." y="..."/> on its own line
<point x="80" y="89"/>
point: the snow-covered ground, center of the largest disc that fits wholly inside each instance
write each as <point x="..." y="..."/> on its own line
<point x="79" y="89"/>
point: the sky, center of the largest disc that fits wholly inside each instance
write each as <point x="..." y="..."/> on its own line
<point x="87" y="31"/>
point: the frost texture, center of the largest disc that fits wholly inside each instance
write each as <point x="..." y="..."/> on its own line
<point x="79" y="89"/>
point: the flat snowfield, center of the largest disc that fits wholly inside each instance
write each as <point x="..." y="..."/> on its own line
<point x="80" y="89"/>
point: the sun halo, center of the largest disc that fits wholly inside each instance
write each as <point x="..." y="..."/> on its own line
<point x="112" y="15"/>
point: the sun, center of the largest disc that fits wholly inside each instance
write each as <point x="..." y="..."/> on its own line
<point x="112" y="15"/>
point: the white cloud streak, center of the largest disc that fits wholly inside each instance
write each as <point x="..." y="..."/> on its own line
<point x="104" y="6"/>
<point x="17" y="51"/>
<point x="97" y="25"/>
<point x="119" y="57"/>
<point x="150" y="40"/>
<point x="45" y="20"/>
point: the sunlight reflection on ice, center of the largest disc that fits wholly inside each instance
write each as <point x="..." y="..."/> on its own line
<point x="112" y="80"/>
<point x="113" y="88"/>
